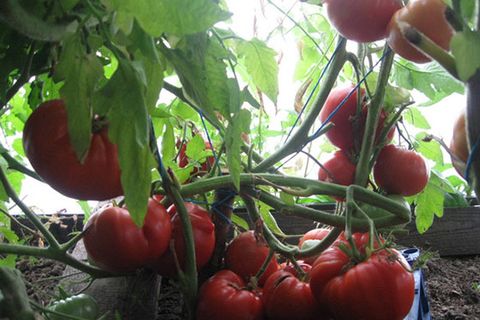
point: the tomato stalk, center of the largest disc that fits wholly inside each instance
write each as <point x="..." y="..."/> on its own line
<point x="373" y="116"/>
<point x="188" y="279"/>
<point x="300" y="137"/>
<point x="264" y="266"/>
<point x="429" y="48"/>
<point x="473" y="130"/>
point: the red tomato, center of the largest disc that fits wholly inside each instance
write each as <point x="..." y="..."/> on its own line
<point x="224" y="296"/>
<point x="339" y="169"/>
<point x="286" y="297"/>
<point x="115" y="243"/>
<point x="428" y="17"/>
<point x="47" y="146"/>
<point x="459" y="145"/>
<point x="204" y="238"/>
<point x="205" y="167"/>
<point x="377" y="288"/>
<point x="311" y="237"/>
<point x="246" y="254"/>
<point x="362" y="21"/>
<point x="400" y="171"/>
<point x="343" y="134"/>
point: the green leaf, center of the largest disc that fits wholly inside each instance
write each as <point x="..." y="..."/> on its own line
<point x="239" y="221"/>
<point x="178" y="17"/>
<point x="287" y="198"/>
<point x="200" y="65"/>
<point x="415" y="118"/>
<point x="81" y="72"/>
<point x="430" y="149"/>
<point x="466" y="49"/>
<point x="429" y="204"/>
<point x="87" y="211"/>
<point x="184" y="111"/>
<point x="233" y="142"/>
<point x="433" y="81"/>
<point x="260" y="62"/>
<point x="128" y="129"/>
<point x="269" y="220"/>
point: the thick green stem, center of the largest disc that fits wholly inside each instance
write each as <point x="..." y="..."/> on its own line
<point x="473" y="130"/>
<point x="30" y="215"/>
<point x="300" y="137"/>
<point x="14" y="164"/>
<point x="429" y="48"/>
<point x="188" y="277"/>
<point x="368" y="141"/>
<point x="50" y="253"/>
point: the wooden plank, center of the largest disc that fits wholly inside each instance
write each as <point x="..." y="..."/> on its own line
<point x="457" y="233"/>
<point x="134" y="298"/>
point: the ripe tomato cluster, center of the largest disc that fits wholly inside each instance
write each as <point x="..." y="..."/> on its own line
<point x="114" y="243"/>
<point x="372" y="20"/>
<point x="333" y="285"/>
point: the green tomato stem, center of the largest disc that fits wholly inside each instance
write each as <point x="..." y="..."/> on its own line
<point x="30" y="215"/>
<point x="300" y="137"/>
<point x="363" y="166"/>
<point x="429" y="48"/>
<point x="50" y="253"/>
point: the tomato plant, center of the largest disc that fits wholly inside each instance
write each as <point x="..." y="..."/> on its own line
<point x="81" y="306"/>
<point x="204" y="238"/>
<point x="224" y="296"/>
<point x="380" y="286"/>
<point x="459" y="145"/>
<point x="362" y="21"/>
<point x="47" y="145"/>
<point x="246" y="254"/>
<point x="428" y="17"/>
<point x="115" y="243"/>
<point x="400" y="171"/>
<point x="199" y="169"/>
<point x="287" y="297"/>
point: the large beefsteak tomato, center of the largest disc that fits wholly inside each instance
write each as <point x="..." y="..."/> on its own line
<point x="47" y="145"/>
<point x="379" y="287"/>
<point x="115" y="243"/>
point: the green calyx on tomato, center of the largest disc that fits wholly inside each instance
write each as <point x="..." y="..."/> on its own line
<point x="377" y="288"/>
<point x="375" y="212"/>
<point x="115" y="243"/>
<point x="48" y="148"/>
<point x="81" y="306"/>
<point x="204" y="241"/>
<point x="362" y="21"/>
<point x="428" y="17"/>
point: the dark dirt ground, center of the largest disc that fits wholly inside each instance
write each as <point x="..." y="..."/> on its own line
<point x="453" y="286"/>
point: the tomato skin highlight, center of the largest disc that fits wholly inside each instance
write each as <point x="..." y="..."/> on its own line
<point x="378" y="288"/>
<point x="362" y="21"/>
<point x="246" y="254"/>
<point x="224" y="296"/>
<point x="286" y="297"/>
<point x="115" y="243"/>
<point x="203" y="235"/>
<point x="400" y="171"/>
<point x="47" y="146"/>
<point x="317" y="234"/>
<point x="428" y="17"/>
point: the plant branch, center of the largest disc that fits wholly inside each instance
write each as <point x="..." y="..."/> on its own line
<point x="429" y="48"/>
<point x="30" y="215"/>
<point x="363" y="166"/>
<point x="14" y="164"/>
